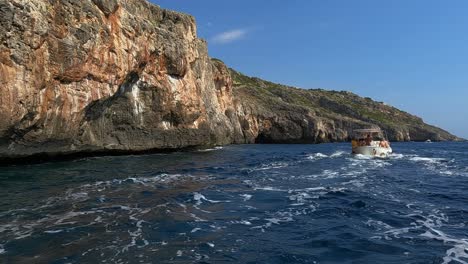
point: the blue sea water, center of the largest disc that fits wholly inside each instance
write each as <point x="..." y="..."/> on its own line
<point x="241" y="204"/>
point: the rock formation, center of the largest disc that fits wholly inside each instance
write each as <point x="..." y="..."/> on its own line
<point x="108" y="75"/>
<point x="125" y="76"/>
<point x="274" y="113"/>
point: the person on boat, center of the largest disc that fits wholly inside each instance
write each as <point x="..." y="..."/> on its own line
<point x="384" y="144"/>
<point x="362" y="142"/>
<point x="368" y="140"/>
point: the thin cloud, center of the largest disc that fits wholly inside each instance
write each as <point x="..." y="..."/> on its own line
<point x="230" y="36"/>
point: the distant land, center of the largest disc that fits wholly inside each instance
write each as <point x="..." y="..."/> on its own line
<point x="109" y="76"/>
<point x="338" y="111"/>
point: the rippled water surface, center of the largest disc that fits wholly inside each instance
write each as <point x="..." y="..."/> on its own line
<point x="241" y="204"/>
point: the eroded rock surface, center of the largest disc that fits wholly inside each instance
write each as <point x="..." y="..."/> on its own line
<point x="97" y="75"/>
<point x="125" y="75"/>
<point x="275" y="113"/>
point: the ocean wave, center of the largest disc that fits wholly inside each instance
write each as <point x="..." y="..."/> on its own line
<point x="196" y="229"/>
<point x="458" y="251"/>
<point x="178" y="214"/>
<point x="275" y="219"/>
<point x="269" y="188"/>
<point x="362" y="157"/>
<point x="241" y="222"/>
<point x="199" y="198"/>
<point x="210" y="149"/>
<point x="316" y="156"/>
<point x="271" y="166"/>
<point x="396" y="156"/>
<point x="319" y="156"/>
<point x="441" y="166"/>
<point x="338" y="154"/>
<point x="94" y="204"/>
<point x="427" y="226"/>
<point x="160" y="178"/>
<point x="246" y="197"/>
<point x="429" y="160"/>
<point x="300" y="198"/>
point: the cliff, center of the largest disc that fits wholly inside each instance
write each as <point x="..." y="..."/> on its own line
<point x="107" y="75"/>
<point x="276" y="113"/>
<point x="127" y="76"/>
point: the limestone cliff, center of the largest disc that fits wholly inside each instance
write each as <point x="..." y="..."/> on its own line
<point x="274" y="113"/>
<point x="108" y="75"/>
<point x="125" y="75"/>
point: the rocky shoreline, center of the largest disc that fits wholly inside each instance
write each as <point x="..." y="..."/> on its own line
<point x="111" y="77"/>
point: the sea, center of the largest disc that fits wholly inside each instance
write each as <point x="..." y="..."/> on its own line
<point x="241" y="204"/>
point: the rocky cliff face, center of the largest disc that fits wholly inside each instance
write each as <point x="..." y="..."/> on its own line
<point x="126" y="75"/>
<point x="274" y="113"/>
<point x="98" y="75"/>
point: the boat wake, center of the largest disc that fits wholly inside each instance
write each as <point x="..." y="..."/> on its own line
<point x="409" y="206"/>
<point x="428" y="227"/>
<point x="319" y="156"/>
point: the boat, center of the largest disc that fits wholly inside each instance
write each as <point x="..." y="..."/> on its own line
<point x="370" y="142"/>
<point x="428" y="141"/>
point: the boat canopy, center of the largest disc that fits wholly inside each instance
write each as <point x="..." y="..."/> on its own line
<point x="368" y="130"/>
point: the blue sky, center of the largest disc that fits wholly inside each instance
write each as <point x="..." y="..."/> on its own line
<point x="410" y="54"/>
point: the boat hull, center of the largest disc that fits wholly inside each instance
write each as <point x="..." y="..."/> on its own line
<point x="372" y="151"/>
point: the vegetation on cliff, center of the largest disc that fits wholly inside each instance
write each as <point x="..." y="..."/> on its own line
<point x="342" y="110"/>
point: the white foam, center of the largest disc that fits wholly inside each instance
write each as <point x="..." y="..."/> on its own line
<point x="273" y="165"/>
<point x="200" y="197"/>
<point x="299" y="198"/>
<point x="395" y="232"/>
<point x="356" y="182"/>
<point x="179" y="253"/>
<point x="2" y="249"/>
<point x="81" y="196"/>
<point x="242" y="222"/>
<point x="195" y="230"/>
<point x="439" y="165"/>
<point x="379" y="225"/>
<point x="210" y="149"/>
<point x="196" y="218"/>
<point x="330" y="174"/>
<point x="460" y="245"/>
<point x="430" y="225"/>
<point x="338" y="154"/>
<point x="362" y="157"/>
<point x="53" y="231"/>
<point x="246" y="197"/>
<point x="425" y="159"/>
<point x="457" y="252"/>
<point x="206" y="150"/>
<point x="280" y="220"/>
<point x="269" y="188"/>
<point x="161" y="178"/>
<point x="396" y="156"/>
<point x="316" y="156"/>
<point x="315" y="189"/>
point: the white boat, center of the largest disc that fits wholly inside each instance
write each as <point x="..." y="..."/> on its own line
<point x="370" y="142"/>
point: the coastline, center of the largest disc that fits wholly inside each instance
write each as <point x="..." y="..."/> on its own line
<point x="46" y="157"/>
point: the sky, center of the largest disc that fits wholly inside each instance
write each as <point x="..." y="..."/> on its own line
<point x="409" y="54"/>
